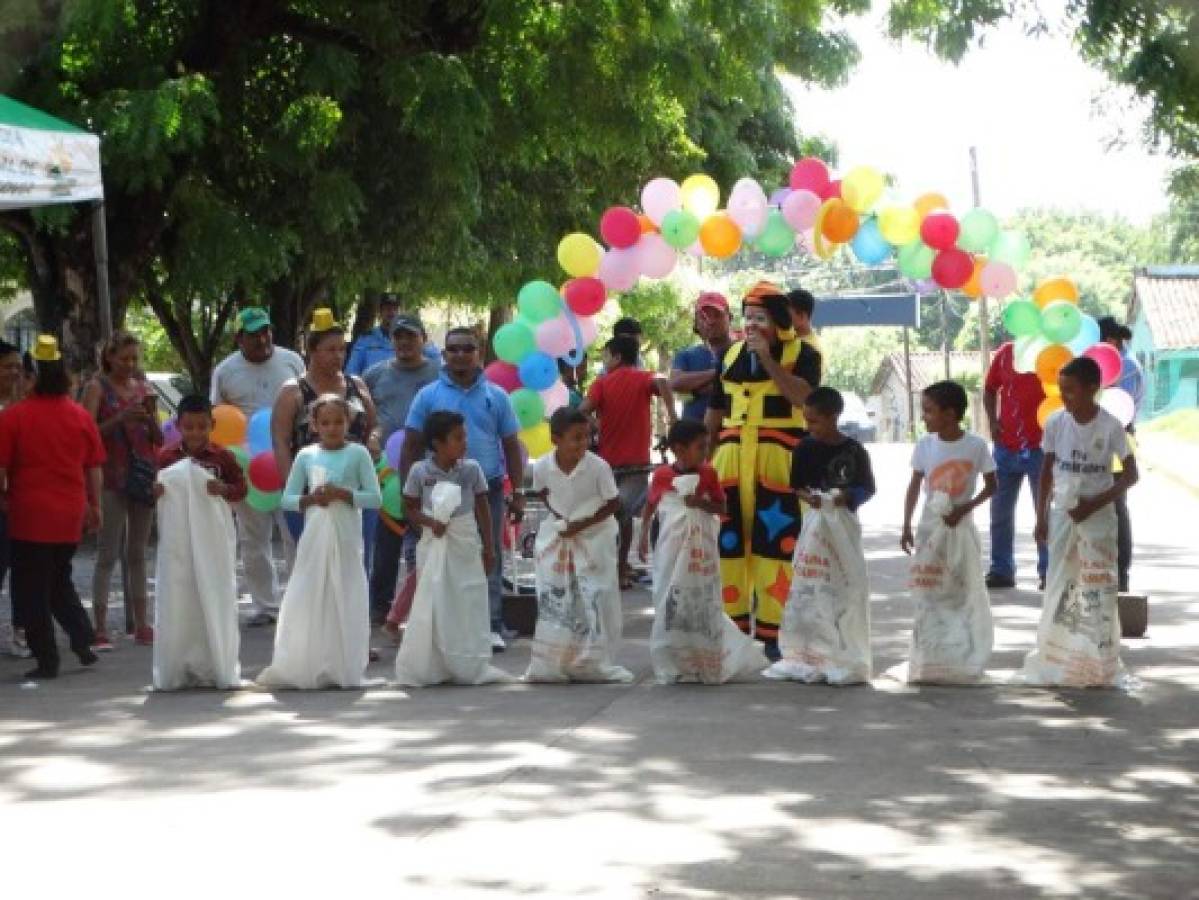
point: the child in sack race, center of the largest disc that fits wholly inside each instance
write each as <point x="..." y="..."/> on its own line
<point x="579" y="618"/>
<point x="692" y="638"/>
<point x="952" y="632"/>
<point x="1078" y="639"/>
<point x="448" y="638"/>
<point x="195" y="600"/>
<point x="323" y="636"/>
<point x="825" y="635"/>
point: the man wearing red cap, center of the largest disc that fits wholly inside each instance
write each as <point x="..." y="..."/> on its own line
<point x="756" y="420"/>
<point x="693" y="371"/>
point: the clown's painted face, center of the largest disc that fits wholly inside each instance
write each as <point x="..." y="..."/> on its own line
<point x="758" y="319"/>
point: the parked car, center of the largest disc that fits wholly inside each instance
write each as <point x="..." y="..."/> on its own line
<point x="170" y="388"/>
<point x="856" y="420"/>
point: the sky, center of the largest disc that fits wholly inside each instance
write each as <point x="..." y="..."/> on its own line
<point x="1027" y="104"/>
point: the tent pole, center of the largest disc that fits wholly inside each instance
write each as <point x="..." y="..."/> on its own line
<point x="100" y="243"/>
<point x="907" y="374"/>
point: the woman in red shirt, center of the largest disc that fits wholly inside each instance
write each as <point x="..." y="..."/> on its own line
<point x="50" y="458"/>
<point x="125" y="408"/>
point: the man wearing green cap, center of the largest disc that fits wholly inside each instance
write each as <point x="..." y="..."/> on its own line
<point x="249" y="379"/>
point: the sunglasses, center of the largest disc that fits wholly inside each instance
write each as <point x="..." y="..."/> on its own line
<point x="461" y="348"/>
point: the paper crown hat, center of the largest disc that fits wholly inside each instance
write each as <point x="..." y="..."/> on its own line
<point x="46" y="349"/>
<point x="322" y="320"/>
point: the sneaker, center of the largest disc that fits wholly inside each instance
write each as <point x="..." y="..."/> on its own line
<point x="102" y="643"/>
<point x="87" y="658"/>
<point x="259" y="619"/>
<point x="498" y="644"/>
<point x="509" y="634"/>
<point x="20" y="647"/>
<point x="372" y="655"/>
<point x="995" y="580"/>
<point x="144" y="636"/>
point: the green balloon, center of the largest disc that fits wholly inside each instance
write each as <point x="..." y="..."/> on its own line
<point x="1010" y="247"/>
<point x="680" y="229"/>
<point x="514" y="341"/>
<point x="978" y="230"/>
<point x="263" y="501"/>
<point x="393" y="498"/>
<point x="241" y="454"/>
<point x="777" y="237"/>
<point x="916" y="259"/>
<point x="1022" y="318"/>
<point x="1061" y="321"/>
<point x="528" y="406"/>
<point x="538" y="301"/>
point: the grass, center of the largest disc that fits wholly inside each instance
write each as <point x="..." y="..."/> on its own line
<point x="1181" y="425"/>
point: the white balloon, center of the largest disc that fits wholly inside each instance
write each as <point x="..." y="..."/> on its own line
<point x="555" y="397"/>
<point x="659" y="197"/>
<point x="1119" y="403"/>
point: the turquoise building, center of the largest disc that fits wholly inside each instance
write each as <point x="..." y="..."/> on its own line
<point x="1164" y="316"/>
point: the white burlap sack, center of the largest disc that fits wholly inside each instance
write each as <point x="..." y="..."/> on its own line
<point x="692" y="638"/>
<point x="195" y="597"/>
<point x="825" y="635"/>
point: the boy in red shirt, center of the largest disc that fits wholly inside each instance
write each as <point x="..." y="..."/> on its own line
<point x="688" y="441"/>
<point x="195" y="426"/>
<point x="622" y="398"/>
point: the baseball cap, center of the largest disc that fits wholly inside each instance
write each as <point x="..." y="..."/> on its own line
<point x="389" y="298"/>
<point x="253" y="318"/>
<point x="46" y="349"/>
<point x="1110" y="328"/>
<point x="712" y="300"/>
<point x="406" y="322"/>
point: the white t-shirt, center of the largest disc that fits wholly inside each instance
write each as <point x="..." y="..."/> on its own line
<point x="1084" y="453"/>
<point x="251" y="386"/>
<point x="589" y="485"/>
<point x="952" y="467"/>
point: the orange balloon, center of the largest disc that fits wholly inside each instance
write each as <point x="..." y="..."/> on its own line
<point x="931" y="202"/>
<point x="1048" y="407"/>
<point x="1050" y="362"/>
<point x="228" y="425"/>
<point x="972" y="288"/>
<point x="647" y="224"/>
<point x="1051" y="388"/>
<point x="720" y="236"/>
<point x="840" y="222"/>
<point x="1055" y="289"/>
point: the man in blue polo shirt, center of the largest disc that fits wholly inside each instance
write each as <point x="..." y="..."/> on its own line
<point x="375" y="346"/>
<point x="693" y="371"/>
<point x="491" y="441"/>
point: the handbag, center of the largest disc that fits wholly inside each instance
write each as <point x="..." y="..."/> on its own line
<point x="140" y="474"/>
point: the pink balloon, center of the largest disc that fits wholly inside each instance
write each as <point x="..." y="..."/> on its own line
<point x="659" y="197"/>
<point x="748" y="207"/>
<point x="619" y="269"/>
<point x="620" y="227"/>
<point x="588" y="329"/>
<point x="997" y="279"/>
<point x="810" y="174"/>
<point x="585" y="296"/>
<point x="1108" y="358"/>
<point x="506" y="375"/>
<point x="555" y="337"/>
<point x="656" y="258"/>
<point x="696" y="249"/>
<point x="800" y="209"/>
<point x="555" y="397"/>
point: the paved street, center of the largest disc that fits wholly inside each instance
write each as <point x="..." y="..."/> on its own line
<point x="754" y="790"/>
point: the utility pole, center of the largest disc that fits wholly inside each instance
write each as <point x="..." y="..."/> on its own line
<point x="945" y="332"/>
<point x="984" y="336"/>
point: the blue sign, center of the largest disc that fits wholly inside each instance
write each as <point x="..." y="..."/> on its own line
<point x="895" y="310"/>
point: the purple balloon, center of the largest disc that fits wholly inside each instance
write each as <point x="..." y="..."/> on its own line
<point x="395" y="443"/>
<point x="170" y="433"/>
<point x="926" y="286"/>
<point x="777" y="198"/>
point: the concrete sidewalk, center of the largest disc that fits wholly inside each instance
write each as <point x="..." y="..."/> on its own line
<point x="754" y="790"/>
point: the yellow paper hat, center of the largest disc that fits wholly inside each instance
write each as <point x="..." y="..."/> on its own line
<point x="46" y="349"/>
<point x="322" y="320"/>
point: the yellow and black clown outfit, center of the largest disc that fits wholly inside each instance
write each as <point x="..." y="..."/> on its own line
<point x="753" y="460"/>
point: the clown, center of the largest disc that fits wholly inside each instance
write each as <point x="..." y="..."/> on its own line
<point x="756" y="420"/>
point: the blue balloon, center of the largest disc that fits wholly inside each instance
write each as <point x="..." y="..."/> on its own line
<point x="538" y="371"/>
<point x="258" y="431"/>
<point x="1088" y="335"/>
<point x="869" y="245"/>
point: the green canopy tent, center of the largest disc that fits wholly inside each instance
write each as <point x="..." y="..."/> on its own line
<point x="44" y="161"/>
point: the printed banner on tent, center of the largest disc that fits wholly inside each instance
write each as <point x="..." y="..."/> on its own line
<point x="38" y="168"/>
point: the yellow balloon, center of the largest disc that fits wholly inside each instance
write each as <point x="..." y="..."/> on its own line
<point x="579" y="255"/>
<point x="1055" y="289"/>
<point x="537" y="440"/>
<point x="861" y="187"/>
<point x="700" y="195"/>
<point x="927" y="203"/>
<point x="899" y="225"/>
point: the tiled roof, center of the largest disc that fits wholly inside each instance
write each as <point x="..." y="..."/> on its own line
<point x="927" y="367"/>
<point x="1170" y="299"/>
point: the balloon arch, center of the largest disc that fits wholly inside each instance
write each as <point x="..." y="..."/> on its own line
<point x="816" y="214"/>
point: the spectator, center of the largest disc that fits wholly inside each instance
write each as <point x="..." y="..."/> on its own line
<point x="12" y="389"/>
<point x="491" y="441"/>
<point x="249" y="379"/>
<point x="125" y="408"/>
<point x="374" y="346"/>
<point x="693" y="370"/>
<point x="622" y="399"/>
<point x="393" y="385"/>
<point x="803" y="305"/>
<point x="50" y="458"/>
<point x="1132" y="380"/>
<point x="1010" y="399"/>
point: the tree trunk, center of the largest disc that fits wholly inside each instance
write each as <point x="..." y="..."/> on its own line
<point x="496" y="317"/>
<point x="292" y="303"/>
<point x="365" y="313"/>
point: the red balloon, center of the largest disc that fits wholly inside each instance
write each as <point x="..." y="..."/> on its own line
<point x="1108" y="358"/>
<point x="585" y="296"/>
<point x="952" y="268"/>
<point x="503" y="374"/>
<point x="620" y="227"/>
<point x="264" y="473"/>
<point x="810" y="174"/>
<point x="940" y="230"/>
